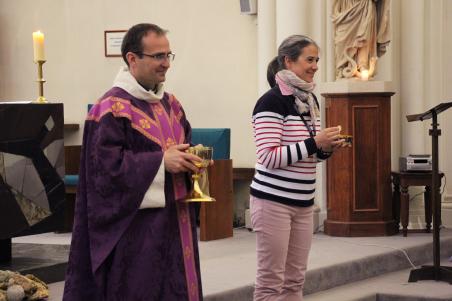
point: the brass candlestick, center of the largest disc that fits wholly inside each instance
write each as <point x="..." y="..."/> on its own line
<point x="41" y="81"/>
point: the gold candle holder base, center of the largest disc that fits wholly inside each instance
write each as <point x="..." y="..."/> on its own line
<point x="41" y="99"/>
<point x="40" y="81"/>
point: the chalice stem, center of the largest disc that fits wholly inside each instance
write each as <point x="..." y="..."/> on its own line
<point x="196" y="189"/>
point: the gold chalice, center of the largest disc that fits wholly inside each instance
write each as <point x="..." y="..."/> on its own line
<point x="205" y="153"/>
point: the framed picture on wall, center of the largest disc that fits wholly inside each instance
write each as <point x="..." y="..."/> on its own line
<point x="113" y="41"/>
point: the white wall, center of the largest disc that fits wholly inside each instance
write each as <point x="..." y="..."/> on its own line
<point x="213" y="75"/>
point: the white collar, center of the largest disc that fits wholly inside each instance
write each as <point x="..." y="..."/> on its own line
<point x="126" y="81"/>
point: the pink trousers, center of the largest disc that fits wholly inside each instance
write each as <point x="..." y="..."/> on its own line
<point x="283" y="241"/>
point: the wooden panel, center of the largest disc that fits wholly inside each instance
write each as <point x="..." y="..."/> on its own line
<point x="71" y="126"/>
<point x="240" y="173"/>
<point x="72" y="159"/>
<point x="366" y="132"/>
<point x="358" y="178"/>
<point x="216" y="217"/>
<point x="356" y="229"/>
<point x="339" y="166"/>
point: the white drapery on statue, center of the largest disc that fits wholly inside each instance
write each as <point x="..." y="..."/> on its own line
<point x="361" y="35"/>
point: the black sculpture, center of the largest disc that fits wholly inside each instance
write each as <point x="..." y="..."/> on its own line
<point x="31" y="170"/>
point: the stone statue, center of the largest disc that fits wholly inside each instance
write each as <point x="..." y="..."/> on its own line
<point x="361" y="35"/>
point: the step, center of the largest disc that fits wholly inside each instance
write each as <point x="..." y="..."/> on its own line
<point x="228" y="266"/>
<point x="333" y="262"/>
<point x="388" y="287"/>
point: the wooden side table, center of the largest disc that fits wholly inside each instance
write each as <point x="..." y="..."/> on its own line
<point x="401" y="198"/>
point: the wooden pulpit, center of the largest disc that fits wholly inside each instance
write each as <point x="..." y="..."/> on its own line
<point x="359" y="178"/>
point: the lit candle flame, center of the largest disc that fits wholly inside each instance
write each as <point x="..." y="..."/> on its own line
<point x="365" y="74"/>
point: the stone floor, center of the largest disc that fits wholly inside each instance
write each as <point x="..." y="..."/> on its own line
<point x="336" y="265"/>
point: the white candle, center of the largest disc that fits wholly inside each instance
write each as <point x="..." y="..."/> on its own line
<point x="38" y="46"/>
<point x="365" y="74"/>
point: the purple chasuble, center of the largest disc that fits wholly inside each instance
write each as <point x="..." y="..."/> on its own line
<point x="118" y="251"/>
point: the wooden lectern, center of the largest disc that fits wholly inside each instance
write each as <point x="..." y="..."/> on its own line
<point x="359" y="178"/>
<point x="435" y="272"/>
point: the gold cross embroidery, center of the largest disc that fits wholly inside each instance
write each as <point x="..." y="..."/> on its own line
<point x="183" y="217"/>
<point x="170" y="142"/>
<point x="117" y="107"/>
<point x="187" y="252"/>
<point x="145" y="124"/>
<point x="192" y="288"/>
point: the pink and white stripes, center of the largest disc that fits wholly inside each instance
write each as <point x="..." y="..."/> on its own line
<point x="284" y="165"/>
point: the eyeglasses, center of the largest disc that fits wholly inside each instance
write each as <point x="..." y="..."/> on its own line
<point x="159" y="56"/>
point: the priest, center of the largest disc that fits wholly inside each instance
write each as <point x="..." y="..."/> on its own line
<point x="134" y="237"/>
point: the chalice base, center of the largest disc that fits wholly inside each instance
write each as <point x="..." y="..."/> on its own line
<point x="204" y="199"/>
<point x="197" y="195"/>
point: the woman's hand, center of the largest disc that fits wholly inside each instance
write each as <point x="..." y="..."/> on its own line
<point x="328" y="139"/>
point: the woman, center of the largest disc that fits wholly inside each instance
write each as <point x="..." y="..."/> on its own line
<point x="289" y="144"/>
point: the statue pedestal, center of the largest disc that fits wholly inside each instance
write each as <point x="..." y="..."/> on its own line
<point x="355" y="86"/>
<point x="359" y="178"/>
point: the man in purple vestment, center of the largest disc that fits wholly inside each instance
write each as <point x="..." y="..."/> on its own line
<point x="134" y="238"/>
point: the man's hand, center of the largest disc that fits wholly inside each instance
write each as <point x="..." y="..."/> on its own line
<point x="201" y="170"/>
<point x="328" y="139"/>
<point x="176" y="160"/>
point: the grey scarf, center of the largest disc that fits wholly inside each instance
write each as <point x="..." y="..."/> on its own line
<point x="302" y="90"/>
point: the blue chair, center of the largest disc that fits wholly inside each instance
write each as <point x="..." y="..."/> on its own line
<point x="71" y="180"/>
<point x="218" y="138"/>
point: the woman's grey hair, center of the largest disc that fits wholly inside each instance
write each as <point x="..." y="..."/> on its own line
<point x="291" y="47"/>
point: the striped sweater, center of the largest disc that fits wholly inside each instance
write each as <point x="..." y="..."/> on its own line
<point x="286" y="153"/>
